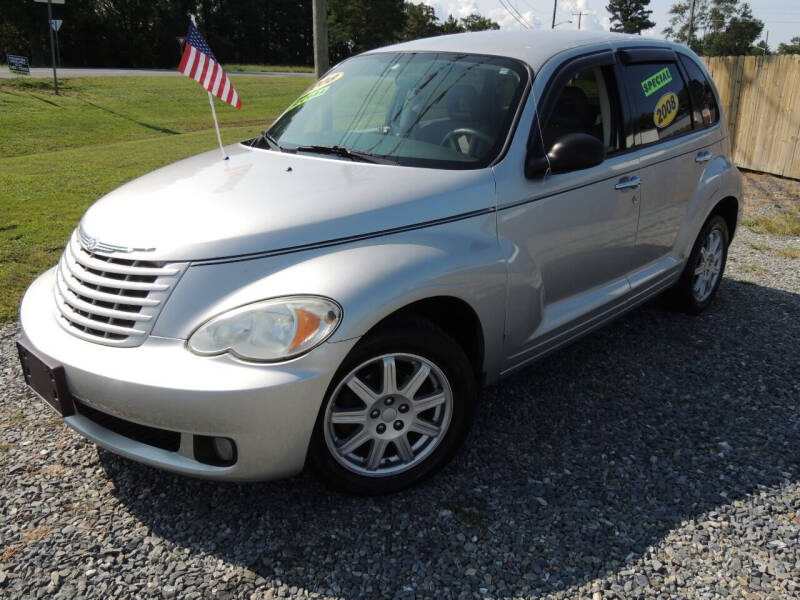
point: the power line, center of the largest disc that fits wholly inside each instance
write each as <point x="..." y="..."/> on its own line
<point x="512" y="11"/>
<point x="516" y="18"/>
<point x="534" y="9"/>
<point x="516" y="10"/>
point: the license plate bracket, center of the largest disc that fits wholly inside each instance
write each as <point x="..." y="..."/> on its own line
<point x="47" y="380"/>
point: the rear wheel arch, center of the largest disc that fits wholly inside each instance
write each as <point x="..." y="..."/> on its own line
<point x="728" y="209"/>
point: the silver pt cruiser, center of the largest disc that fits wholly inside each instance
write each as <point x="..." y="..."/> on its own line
<point x="424" y="220"/>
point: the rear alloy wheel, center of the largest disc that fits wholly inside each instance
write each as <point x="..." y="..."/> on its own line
<point x="703" y="272"/>
<point x="396" y="412"/>
<point x="708" y="269"/>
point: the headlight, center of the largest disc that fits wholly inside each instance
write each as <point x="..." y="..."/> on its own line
<point x="270" y="330"/>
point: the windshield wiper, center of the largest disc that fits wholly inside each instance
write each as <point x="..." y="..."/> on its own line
<point x="271" y="142"/>
<point x="346" y="153"/>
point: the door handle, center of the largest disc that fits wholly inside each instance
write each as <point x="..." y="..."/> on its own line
<point x="628" y="183"/>
<point x="704" y="156"/>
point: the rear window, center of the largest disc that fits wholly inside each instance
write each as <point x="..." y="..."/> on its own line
<point x="705" y="112"/>
<point x="659" y="101"/>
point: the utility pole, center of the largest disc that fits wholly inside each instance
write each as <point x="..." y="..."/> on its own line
<point x="555" y="4"/>
<point x="319" y="12"/>
<point x="691" y="24"/>
<point x="579" y="15"/>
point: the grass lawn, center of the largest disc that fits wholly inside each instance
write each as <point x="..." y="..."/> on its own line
<point x="58" y="154"/>
<point x="783" y="224"/>
<point x="269" y="68"/>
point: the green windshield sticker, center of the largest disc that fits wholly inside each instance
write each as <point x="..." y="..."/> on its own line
<point x="317" y="90"/>
<point x="327" y="80"/>
<point x="310" y="96"/>
<point x="655" y="82"/>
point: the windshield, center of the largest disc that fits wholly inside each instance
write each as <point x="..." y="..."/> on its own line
<point x="441" y="110"/>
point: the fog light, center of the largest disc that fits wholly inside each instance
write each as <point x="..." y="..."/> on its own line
<point x="223" y="448"/>
<point x="215" y="451"/>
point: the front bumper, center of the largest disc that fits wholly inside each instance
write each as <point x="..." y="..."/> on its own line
<point x="268" y="411"/>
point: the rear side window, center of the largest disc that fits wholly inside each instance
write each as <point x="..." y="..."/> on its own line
<point x="659" y="101"/>
<point x="705" y="112"/>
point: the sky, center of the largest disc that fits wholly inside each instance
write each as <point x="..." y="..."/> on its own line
<point x="781" y="17"/>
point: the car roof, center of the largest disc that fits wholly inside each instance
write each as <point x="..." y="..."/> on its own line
<point x="532" y="46"/>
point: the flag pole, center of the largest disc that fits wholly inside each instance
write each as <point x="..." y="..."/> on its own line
<point x="216" y="125"/>
<point x="211" y="102"/>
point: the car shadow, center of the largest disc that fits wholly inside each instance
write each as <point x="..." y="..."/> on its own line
<point x="575" y="466"/>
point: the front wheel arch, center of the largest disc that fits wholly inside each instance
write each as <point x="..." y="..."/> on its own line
<point x="452" y="315"/>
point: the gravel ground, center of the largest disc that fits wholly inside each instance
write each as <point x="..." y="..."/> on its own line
<point x="656" y="458"/>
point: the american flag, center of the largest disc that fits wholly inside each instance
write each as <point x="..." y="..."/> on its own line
<point x="200" y="64"/>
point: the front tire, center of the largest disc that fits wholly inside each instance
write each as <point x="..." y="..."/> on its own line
<point x="702" y="275"/>
<point x="396" y="411"/>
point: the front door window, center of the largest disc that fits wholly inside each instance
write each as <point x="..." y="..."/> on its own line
<point x="585" y="105"/>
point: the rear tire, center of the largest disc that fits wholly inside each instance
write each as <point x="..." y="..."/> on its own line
<point x="396" y="410"/>
<point x="703" y="272"/>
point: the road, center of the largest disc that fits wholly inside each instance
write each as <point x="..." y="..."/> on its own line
<point x="69" y="72"/>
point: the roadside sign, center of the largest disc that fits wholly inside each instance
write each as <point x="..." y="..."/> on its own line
<point x="52" y="28"/>
<point x="56" y="24"/>
<point x="18" y="64"/>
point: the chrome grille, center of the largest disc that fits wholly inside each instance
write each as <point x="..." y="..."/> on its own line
<point x="111" y="300"/>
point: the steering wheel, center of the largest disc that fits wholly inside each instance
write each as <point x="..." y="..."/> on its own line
<point x="473" y="136"/>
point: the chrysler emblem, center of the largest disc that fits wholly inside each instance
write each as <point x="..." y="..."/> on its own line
<point x="90" y="243"/>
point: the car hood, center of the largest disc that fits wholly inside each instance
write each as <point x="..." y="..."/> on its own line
<point x="261" y="201"/>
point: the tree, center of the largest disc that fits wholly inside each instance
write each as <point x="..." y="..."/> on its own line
<point x="760" y="49"/>
<point x="142" y="33"/>
<point x="728" y="27"/>
<point x="476" y="22"/>
<point x="732" y="29"/>
<point x="451" y="25"/>
<point x="678" y="28"/>
<point x="630" y="16"/>
<point x="793" y="47"/>
<point x="358" y="25"/>
<point x="421" y="21"/>
<point x="12" y="41"/>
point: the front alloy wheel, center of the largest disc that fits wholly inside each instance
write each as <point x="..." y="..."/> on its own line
<point x="396" y="410"/>
<point x="388" y="414"/>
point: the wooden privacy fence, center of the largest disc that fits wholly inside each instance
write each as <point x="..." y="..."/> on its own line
<point x="761" y="100"/>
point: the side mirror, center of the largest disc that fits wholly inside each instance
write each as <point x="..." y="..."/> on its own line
<point x="570" y="152"/>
